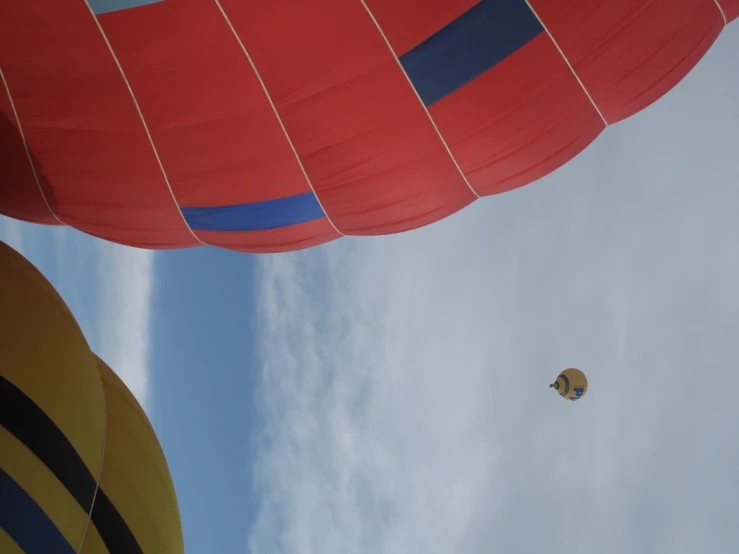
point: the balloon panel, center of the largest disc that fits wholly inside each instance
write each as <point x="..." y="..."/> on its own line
<point x="52" y="414"/>
<point x="136" y="477"/>
<point x="400" y="113"/>
<point x="731" y="9"/>
<point x="58" y="422"/>
<point x="8" y="545"/>
<point x="35" y="507"/>
<point x="38" y="334"/>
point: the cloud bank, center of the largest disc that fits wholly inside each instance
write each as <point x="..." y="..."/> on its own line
<point x="127" y="281"/>
<point x="404" y="383"/>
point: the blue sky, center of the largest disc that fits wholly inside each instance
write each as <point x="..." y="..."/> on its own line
<point x="179" y="327"/>
<point x="390" y="394"/>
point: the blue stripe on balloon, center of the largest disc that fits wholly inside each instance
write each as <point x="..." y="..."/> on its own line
<point x="106" y="6"/>
<point x="470" y="45"/>
<point x="26" y="523"/>
<point x="257" y="216"/>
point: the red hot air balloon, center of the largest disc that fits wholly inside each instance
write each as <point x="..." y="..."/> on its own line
<point x="276" y="125"/>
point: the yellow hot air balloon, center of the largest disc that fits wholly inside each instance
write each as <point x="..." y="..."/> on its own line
<point x="571" y="384"/>
<point x="81" y="469"/>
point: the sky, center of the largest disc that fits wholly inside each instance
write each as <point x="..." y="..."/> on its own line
<point x="390" y="394"/>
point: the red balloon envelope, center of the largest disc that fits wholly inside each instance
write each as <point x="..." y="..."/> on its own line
<point x="275" y="125"/>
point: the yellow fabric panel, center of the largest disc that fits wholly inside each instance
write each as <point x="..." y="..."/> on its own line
<point x="41" y="485"/>
<point x="44" y="353"/>
<point x="135" y="475"/>
<point x="93" y="543"/>
<point x="8" y="545"/>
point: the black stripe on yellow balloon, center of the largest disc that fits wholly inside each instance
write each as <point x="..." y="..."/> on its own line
<point x="7" y="544"/>
<point x="24" y="419"/>
<point x="567" y="385"/>
<point x="31" y="426"/>
<point x="26" y="522"/>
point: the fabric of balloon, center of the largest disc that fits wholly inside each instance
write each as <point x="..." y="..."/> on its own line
<point x="170" y="124"/>
<point x="81" y="469"/>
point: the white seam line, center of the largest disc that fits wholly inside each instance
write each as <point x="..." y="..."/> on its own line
<point x="25" y="146"/>
<point x="143" y="121"/>
<point x="277" y="114"/>
<point x="425" y="108"/>
<point x="572" y="69"/>
<point x="102" y="460"/>
<point x="723" y="14"/>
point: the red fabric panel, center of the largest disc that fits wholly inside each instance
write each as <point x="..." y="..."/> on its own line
<point x="79" y="120"/>
<point x="217" y="135"/>
<point x="731" y="9"/>
<point x="368" y="146"/>
<point x="21" y="197"/>
<point x="519" y="121"/>
<point x="629" y="53"/>
<point x="284" y="239"/>
<point x="407" y="23"/>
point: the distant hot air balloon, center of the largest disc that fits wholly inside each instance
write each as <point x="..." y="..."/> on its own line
<point x="571" y="384"/>
<point x="81" y="469"/>
<point x="276" y="125"/>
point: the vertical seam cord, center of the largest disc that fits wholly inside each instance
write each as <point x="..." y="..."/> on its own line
<point x="567" y="61"/>
<point x="102" y="460"/>
<point x="721" y="11"/>
<point x="425" y="108"/>
<point x="25" y="146"/>
<point x="277" y="114"/>
<point x="143" y="120"/>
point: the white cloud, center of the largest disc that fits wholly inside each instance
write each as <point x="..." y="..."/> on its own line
<point x="126" y="286"/>
<point x="405" y="379"/>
